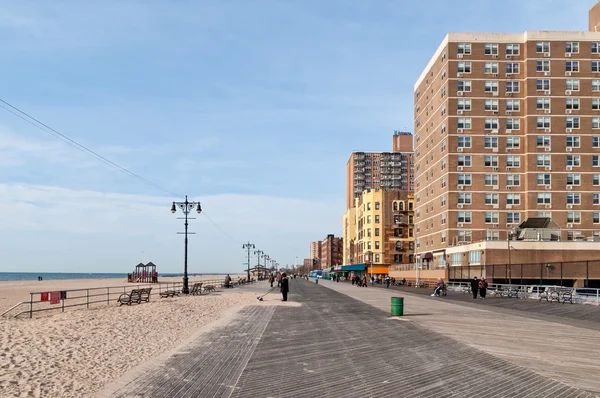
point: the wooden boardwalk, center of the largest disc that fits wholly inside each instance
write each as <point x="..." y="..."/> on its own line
<point x="333" y="345"/>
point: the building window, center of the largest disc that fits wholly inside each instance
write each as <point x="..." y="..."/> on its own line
<point x="491" y="217"/>
<point x="572" y="141"/>
<point x="574" y="217"/>
<point x="491" y="86"/>
<point x="512" y="87"/>
<point x="596" y="217"/>
<point x="513" y="180"/>
<point x="490" y="67"/>
<point x="513" y="218"/>
<point x="513" y="142"/>
<point x="572" y="123"/>
<point x="573" y="179"/>
<point x="596" y="122"/>
<point x="376" y="244"/>
<point x="491" y="179"/>
<point x="543" y="179"/>
<point x="474" y="257"/>
<point x="492" y="235"/>
<point x="573" y="103"/>
<point x="464" y="85"/>
<point x="464" y="236"/>
<point x="572" y="66"/>
<point x="512" y="49"/>
<point x="543" y="198"/>
<point x="490" y="49"/>
<point x="572" y="85"/>
<point x="513" y="161"/>
<point x="512" y="68"/>
<point x="595" y="85"/>
<point x="464" y="104"/>
<point x="464" y="161"/>
<point x="464" y="123"/>
<point x="376" y="219"/>
<point x="543" y="141"/>
<point x="542" y="47"/>
<point x="572" y="47"/>
<point x="513" y="124"/>
<point x="464" y="142"/>
<point x="542" y="85"/>
<point x="490" y="142"/>
<point x="513" y="105"/>
<point x="543" y="160"/>
<point x="376" y="205"/>
<point x="377" y="258"/>
<point x="464" y="67"/>
<point x="543" y="122"/>
<point x="491" y="198"/>
<point x="596" y="179"/>
<point x="596" y="198"/>
<point x="542" y="66"/>
<point x="464" y="198"/>
<point x="513" y="199"/>
<point x="491" y="161"/>
<point x="542" y="103"/>
<point x="573" y="199"/>
<point x="491" y="105"/>
<point x="456" y="258"/>
<point x="464" y="217"/>
<point x="596" y="104"/>
<point x="464" y="48"/>
<point x="595" y="48"/>
<point x="464" y="179"/>
<point x="443" y="237"/>
<point x="376" y="231"/>
<point x="573" y="160"/>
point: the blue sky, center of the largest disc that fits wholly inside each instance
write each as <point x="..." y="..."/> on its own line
<point x="252" y="107"/>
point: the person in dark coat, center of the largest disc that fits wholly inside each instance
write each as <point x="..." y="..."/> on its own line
<point x="483" y="285"/>
<point x="474" y="287"/>
<point x="285" y="286"/>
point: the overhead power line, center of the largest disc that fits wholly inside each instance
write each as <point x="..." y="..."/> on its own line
<point x="80" y="147"/>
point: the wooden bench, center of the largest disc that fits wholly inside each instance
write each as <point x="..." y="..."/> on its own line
<point x="196" y="289"/>
<point x="209" y="288"/>
<point x="169" y="293"/>
<point x="135" y="296"/>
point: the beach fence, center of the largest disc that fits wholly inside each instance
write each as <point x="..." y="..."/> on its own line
<point x="44" y="302"/>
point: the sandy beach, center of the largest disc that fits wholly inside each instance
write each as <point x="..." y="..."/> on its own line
<point x="78" y="352"/>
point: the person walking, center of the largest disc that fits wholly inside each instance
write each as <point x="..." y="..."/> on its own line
<point x="387" y="282"/>
<point x="352" y="280"/>
<point x="439" y="285"/>
<point x="483" y="285"/>
<point x="285" y="287"/>
<point x="271" y="279"/>
<point x="474" y="287"/>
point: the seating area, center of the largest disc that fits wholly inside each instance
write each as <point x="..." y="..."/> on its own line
<point x="196" y="289"/>
<point x="209" y="288"/>
<point x="170" y="293"/>
<point x="135" y="296"/>
<point x="558" y="294"/>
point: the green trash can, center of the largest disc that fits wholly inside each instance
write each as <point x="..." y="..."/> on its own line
<point x="397" y="306"/>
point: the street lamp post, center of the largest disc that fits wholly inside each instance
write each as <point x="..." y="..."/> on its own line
<point x="258" y="254"/>
<point x="186" y="207"/>
<point x="510" y="236"/>
<point x="370" y="256"/>
<point x="248" y="246"/>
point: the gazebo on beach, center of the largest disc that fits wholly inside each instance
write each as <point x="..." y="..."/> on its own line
<point x="143" y="273"/>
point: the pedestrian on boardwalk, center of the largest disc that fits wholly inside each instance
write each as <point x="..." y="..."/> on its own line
<point x="364" y="281"/>
<point x="352" y="280"/>
<point x="483" y="285"/>
<point x="474" y="286"/>
<point x="278" y="278"/>
<point x="387" y="282"/>
<point x="285" y="287"/>
<point x="372" y="280"/>
<point x="271" y="279"/>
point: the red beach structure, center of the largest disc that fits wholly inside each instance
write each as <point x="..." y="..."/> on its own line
<point x="143" y="273"/>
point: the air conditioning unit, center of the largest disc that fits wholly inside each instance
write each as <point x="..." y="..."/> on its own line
<point x="569" y="111"/>
<point x="508" y="94"/>
<point x="509" y="75"/>
<point x="495" y="75"/>
<point x="495" y="56"/>
<point x="548" y="149"/>
<point x="508" y="168"/>
<point x="495" y="112"/>
<point x="567" y="73"/>
<point x="460" y="112"/>
<point x="548" y="206"/>
<point x="569" y="149"/>
<point x="570" y="187"/>
<point x="569" y="206"/>
<point x="460" y="187"/>
<point x="569" y="225"/>
<point x="494" y="149"/>
<point x="547" y="111"/>
<point x="569" y="131"/>
<point x="495" y="93"/>
<point x="508" y="131"/>
<point x="459" y="93"/>
<point x="459" y="206"/>
<point x="569" y="168"/>
<point x="547" y="130"/>
<point x="508" y="113"/>
<point x="459" y="75"/>
<point x="495" y="225"/>
<point x="496" y="206"/>
<point x="459" y="56"/>
<point x="494" y="131"/>
<point x="509" y="57"/>
<point x="460" y="149"/>
<point x="459" y="131"/>
<point x="495" y="169"/>
<point x="548" y="187"/>
<point x="459" y="168"/>
<point x="495" y="187"/>
<point x="568" y="92"/>
<point x="509" y="187"/>
<point x="548" y="168"/>
<point x="568" y="55"/>
<point x="459" y="225"/>
<point x="547" y="92"/>
<point x="547" y="55"/>
<point x="509" y="206"/>
<point x="546" y="73"/>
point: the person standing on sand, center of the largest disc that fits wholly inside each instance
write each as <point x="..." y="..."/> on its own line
<point x="285" y="287"/>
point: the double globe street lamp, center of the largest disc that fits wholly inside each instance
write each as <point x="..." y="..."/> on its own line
<point x="186" y="207"/>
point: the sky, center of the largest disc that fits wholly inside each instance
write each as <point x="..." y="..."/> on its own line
<point x="250" y="107"/>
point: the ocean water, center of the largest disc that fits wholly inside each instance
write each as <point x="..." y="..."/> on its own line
<point x="33" y="276"/>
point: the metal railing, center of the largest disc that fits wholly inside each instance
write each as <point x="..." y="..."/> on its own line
<point x="96" y="296"/>
<point x="580" y="295"/>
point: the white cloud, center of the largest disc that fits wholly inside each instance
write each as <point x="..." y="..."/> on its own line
<point x="57" y="229"/>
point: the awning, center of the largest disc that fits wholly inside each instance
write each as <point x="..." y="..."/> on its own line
<point x="427" y="256"/>
<point x="354" y="267"/>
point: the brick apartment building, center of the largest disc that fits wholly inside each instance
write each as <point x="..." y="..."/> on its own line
<point x="331" y="252"/>
<point x="370" y="170"/>
<point x="507" y="127"/>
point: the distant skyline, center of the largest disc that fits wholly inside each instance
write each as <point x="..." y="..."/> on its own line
<point x="253" y="108"/>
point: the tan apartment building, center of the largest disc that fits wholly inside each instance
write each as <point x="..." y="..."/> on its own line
<point x="507" y="127"/>
<point x="315" y="250"/>
<point x="370" y="170"/>
<point x="380" y="230"/>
